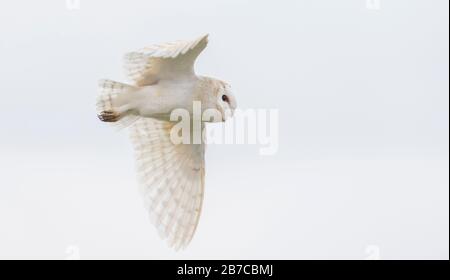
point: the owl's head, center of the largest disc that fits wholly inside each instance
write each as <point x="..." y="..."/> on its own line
<point x="225" y="102"/>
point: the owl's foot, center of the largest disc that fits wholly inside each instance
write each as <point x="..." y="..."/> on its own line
<point x="109" y="116"/>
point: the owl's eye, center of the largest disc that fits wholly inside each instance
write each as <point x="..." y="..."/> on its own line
<point x="225" y="98"/>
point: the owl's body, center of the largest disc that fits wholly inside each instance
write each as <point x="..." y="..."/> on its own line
<point x="171" y="175"/>
<point x="159" y="100"/>
<point x="164" y="97"/>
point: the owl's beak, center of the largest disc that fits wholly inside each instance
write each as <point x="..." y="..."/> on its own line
<point x="227" y="114"/>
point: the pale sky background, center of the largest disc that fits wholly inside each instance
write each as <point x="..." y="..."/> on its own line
<point x="362" y="166"/>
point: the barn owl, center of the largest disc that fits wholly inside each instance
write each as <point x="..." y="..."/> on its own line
<point x="171" y="175"/>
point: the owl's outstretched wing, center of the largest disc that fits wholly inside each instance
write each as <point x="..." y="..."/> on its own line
<point x="171" y="178"/>
<point x="163" y="61"/>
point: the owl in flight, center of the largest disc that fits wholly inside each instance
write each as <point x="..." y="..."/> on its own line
<point x="171" y="175"/>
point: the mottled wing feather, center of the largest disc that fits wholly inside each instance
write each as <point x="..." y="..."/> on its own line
<point x="163" y="61"/>
<point x="171" y="179"/>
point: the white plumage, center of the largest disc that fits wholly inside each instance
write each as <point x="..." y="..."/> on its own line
<point x="171" y="175"/>
<point x="163" y="61"/>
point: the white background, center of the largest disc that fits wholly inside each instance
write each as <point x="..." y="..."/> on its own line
<point x="362" y="93"/>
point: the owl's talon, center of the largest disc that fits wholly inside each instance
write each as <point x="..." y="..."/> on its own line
<point x="108" y="116"/>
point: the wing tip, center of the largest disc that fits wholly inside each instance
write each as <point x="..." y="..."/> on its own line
<point x="205" y="38"/>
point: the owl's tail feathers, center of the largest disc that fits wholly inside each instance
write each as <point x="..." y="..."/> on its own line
<point x="113" y="103"/>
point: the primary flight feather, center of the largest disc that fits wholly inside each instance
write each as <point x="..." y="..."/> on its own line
<point x="171" y="175"/>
